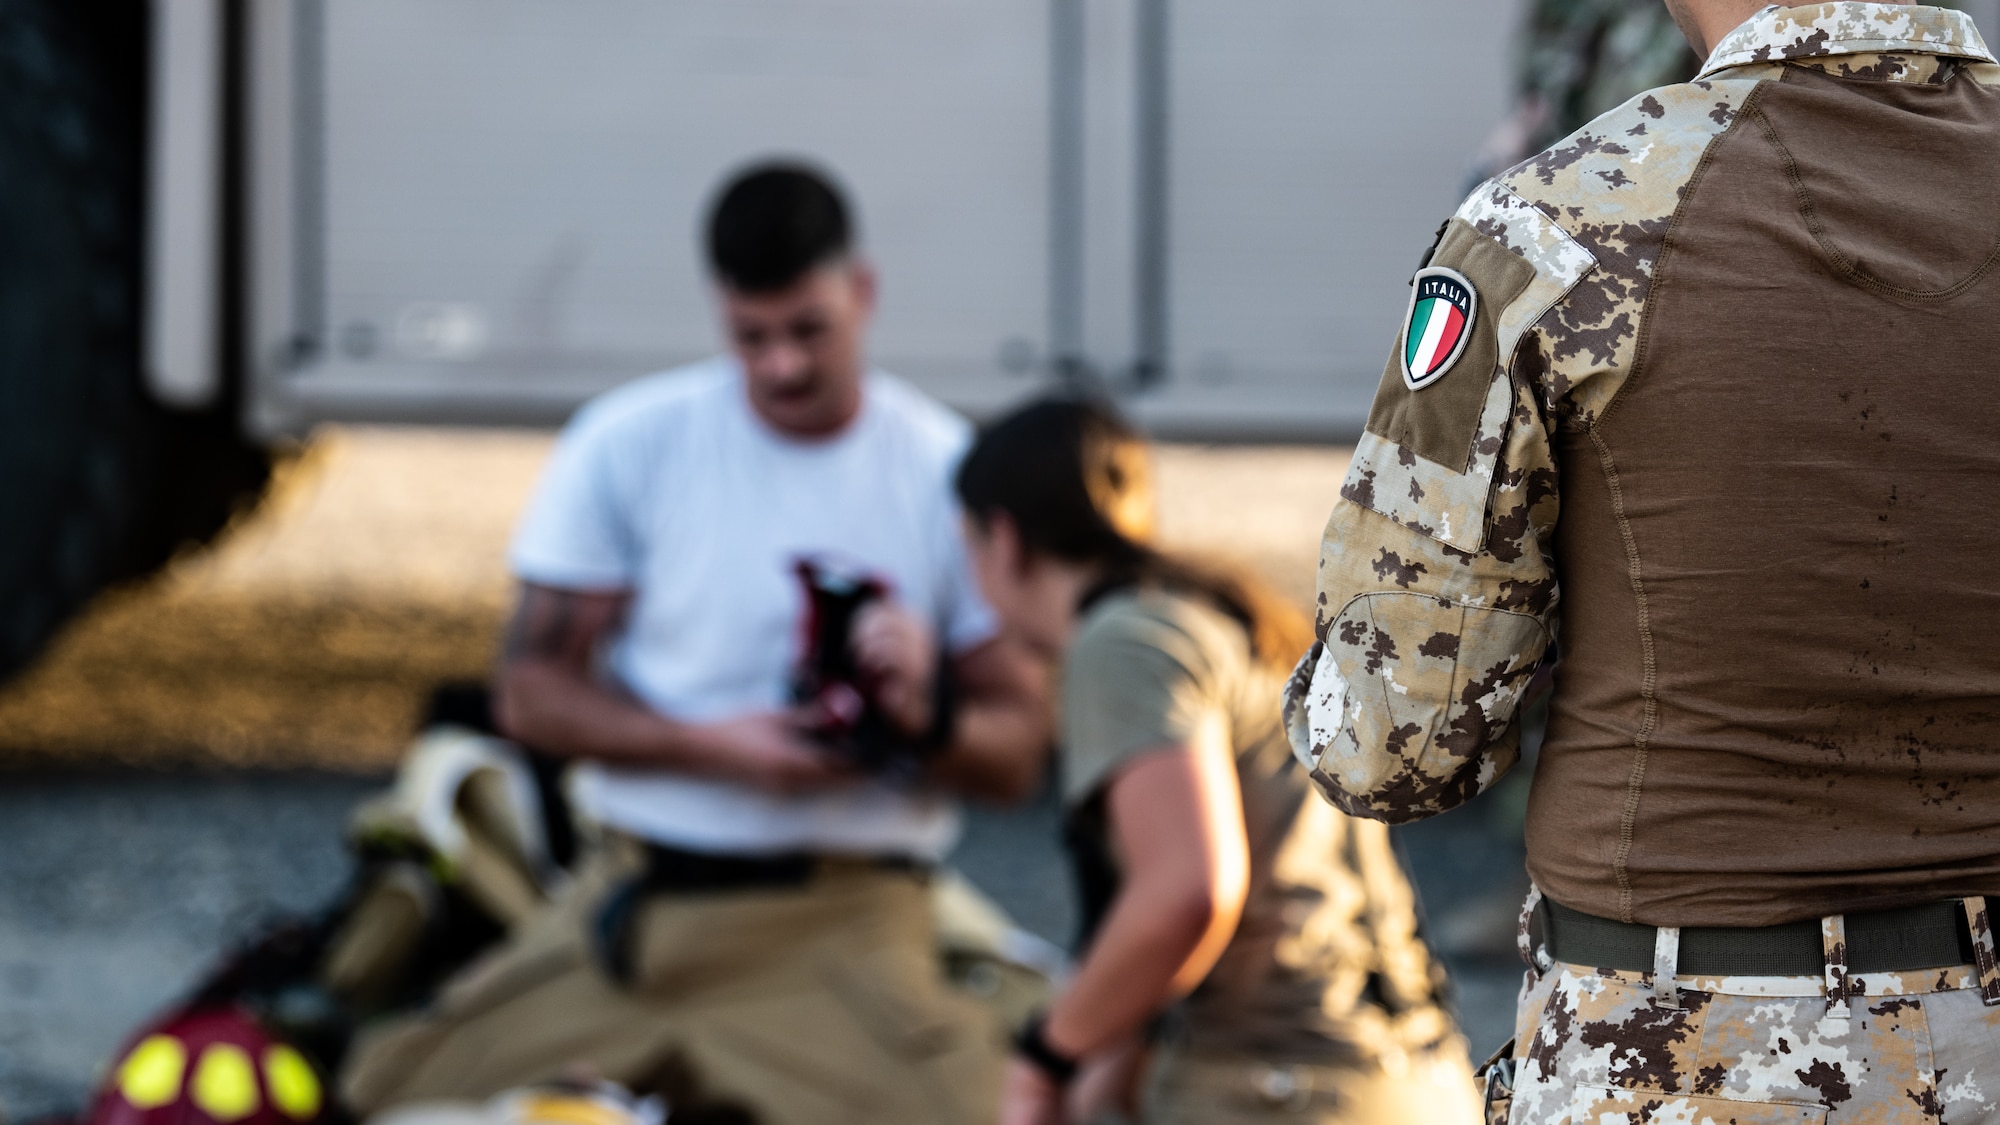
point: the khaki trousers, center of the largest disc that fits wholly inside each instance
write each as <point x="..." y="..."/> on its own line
<point x="1433" y="1088"/>
<point x="821" y="1004"/>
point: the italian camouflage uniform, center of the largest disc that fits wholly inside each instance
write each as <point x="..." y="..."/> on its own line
<point x="1439" y="596"/>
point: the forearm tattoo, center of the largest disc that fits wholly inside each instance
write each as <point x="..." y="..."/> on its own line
<point x="548" y="625"/>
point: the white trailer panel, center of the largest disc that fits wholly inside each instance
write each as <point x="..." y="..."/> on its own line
<point x="495" y="204"/>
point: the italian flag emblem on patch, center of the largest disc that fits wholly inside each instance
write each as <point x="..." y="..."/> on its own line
<point x="1443" y="306"/>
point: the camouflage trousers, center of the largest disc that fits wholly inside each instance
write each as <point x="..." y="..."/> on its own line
<point x="1607" y="1047"/>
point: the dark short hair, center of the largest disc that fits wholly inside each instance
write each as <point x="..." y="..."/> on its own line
<point x="775" y="222"/>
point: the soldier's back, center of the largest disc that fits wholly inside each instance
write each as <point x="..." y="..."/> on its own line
<point x="1775" y="404"/>
<point x="1706" y="391"/>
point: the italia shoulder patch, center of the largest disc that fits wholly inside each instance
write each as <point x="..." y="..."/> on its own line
<point x="1443" y="307"/>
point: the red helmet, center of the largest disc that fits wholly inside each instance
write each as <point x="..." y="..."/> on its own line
<point x="209" y="1066"/>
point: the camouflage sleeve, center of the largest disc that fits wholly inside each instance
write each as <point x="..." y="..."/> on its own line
<point x="1437" y="596"/>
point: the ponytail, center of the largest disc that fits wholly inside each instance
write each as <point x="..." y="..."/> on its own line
<point x="1074" y="479"/>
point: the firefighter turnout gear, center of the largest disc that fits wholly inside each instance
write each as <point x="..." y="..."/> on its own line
<point x="822" y="1002"/>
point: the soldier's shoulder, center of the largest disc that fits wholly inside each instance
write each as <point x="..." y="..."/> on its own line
<point x="1622" y="174"/>
<point x="1591" y="213"/>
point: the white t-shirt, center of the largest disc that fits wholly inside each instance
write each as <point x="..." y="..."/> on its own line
<point x="673" y="488"/>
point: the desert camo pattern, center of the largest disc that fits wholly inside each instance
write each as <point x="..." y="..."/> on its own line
<point x="1599" y="1047"/>
<point x="1817" y="30"/>
<point x="1437" y="595"/>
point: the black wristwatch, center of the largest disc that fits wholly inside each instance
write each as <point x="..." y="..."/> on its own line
<point x="1033" y="1045"/>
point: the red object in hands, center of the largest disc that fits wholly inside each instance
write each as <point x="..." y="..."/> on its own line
<point x="827" y="679"/>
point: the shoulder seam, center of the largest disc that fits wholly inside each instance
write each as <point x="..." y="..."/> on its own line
<point x="1643" y="348"/>
<point x="1554" y="220"/>
<point x="1649" y="705"/>
<point x="1555" y="223"/>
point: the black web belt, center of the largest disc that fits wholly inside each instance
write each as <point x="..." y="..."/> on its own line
<point x="1931" y="936"/>
<point x="672" y="870"/>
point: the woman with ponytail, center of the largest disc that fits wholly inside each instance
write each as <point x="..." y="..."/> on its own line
<point x="1259" y="946"/>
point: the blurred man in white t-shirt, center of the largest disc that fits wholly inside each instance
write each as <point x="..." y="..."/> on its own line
<point x="758" y="915"/>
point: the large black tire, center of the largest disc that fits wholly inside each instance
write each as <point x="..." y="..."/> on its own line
<point x="98" y="483"/>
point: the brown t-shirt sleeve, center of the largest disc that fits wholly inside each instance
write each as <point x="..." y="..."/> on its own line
<point x="1138" y="679"/>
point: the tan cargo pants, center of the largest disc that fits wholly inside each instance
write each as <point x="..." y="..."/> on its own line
<point x="823" y="1004"/>
<point x="1434" y="1088"/>
<point x="1609" y="1048"/>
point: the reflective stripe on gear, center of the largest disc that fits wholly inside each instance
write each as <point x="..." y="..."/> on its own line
<point x="150" y="1076"/>
<point x="225" y="1083"/>
<point x="293" y="1086"/>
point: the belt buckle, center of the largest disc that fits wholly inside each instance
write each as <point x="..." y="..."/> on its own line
<point x="1289" y="1088"/>
<point x="1499" y="1091"/>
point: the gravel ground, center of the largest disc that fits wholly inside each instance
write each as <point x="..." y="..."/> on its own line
<point x="117" y="889"/>
<point x="311" y="636"/>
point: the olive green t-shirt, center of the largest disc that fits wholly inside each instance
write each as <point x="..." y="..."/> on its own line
<point x="1326" y="961"/>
